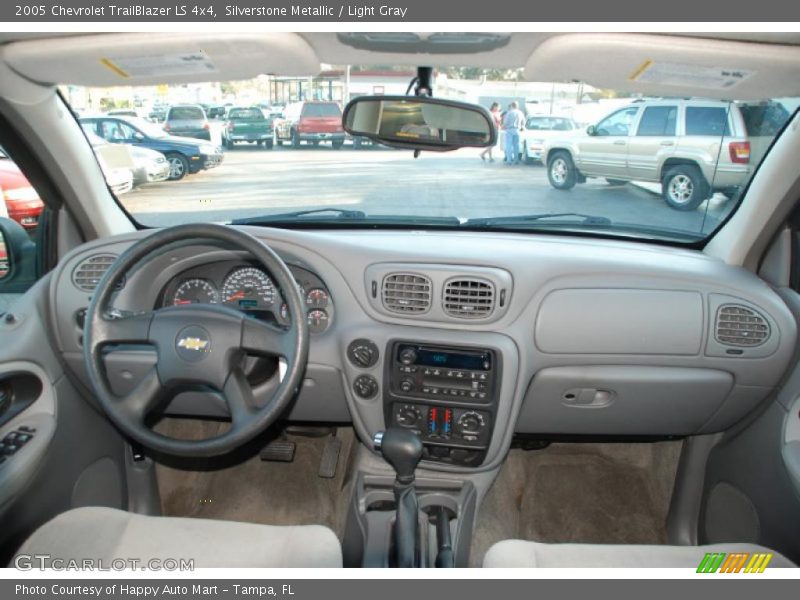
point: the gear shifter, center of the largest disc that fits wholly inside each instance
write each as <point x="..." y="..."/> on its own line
<point x="402" y="449"/>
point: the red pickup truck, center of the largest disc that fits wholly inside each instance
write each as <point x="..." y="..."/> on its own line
<point x="311" y="122"/>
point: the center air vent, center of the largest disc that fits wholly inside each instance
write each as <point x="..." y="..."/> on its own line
<point x="87" y="275"/>
<point x="406" y="293"/>
<point x="468" y="298"/>
<point x="740" y="326"/>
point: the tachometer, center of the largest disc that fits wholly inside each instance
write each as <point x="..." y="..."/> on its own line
<point x="195" y="291"/>
<point x="248" y="288"/>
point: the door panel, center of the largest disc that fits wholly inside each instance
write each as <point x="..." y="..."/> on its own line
<point x="750" y="488"/>
<point x="605" y="154"/>
<point x="654" y="142"/>
<point x="75" y="457"/>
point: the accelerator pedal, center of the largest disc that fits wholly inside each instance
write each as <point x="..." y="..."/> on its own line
<point x="330" y="458"/>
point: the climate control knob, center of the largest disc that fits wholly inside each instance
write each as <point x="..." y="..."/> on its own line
<point x="408" y="416"/>
<point x="471" y="423"/>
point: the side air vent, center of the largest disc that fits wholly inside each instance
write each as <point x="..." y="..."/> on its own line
<point x="87" y="275"/>
<point x="468" y="298"/>
<point x="740" y="326"/>
<point x="406" y="293"/>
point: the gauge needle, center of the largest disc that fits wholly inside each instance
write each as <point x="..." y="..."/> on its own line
<point x="237" y="296"/>
<point x="178" y="302"/>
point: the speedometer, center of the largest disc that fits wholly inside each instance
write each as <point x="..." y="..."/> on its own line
<point x="195" y="291"/>
<point x="248" y="288"/>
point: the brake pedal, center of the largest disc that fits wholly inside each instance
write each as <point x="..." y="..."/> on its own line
<point x="330" y="458"/>
<point x="278" y="451"/>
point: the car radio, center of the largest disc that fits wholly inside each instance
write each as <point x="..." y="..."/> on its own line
<point x="435" y="372"/>
<point x="447" y="395"/>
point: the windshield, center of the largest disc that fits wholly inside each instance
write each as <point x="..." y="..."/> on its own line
<point x="186" y="113"/>
<point x="321" y="110"/>
<point x="569" y="157"/>
<point x="148" y="128"/>
<point x="246" y="114"/>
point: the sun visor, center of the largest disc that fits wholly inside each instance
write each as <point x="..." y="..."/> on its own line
<point x="147" y="59"/>
<point x="663" y="65"/>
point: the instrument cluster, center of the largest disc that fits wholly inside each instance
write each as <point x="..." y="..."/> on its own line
<point x="249" y="288"/>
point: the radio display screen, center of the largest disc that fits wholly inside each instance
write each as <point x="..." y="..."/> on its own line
<point x="453" y="360"/>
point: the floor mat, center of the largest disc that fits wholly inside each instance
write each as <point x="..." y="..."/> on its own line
<point x="590" y="493"/>
<point x="256" y="491"/>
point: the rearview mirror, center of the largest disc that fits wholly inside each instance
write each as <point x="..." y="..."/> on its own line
<point x="591" y="130"/>
<point x="420" y="122"/>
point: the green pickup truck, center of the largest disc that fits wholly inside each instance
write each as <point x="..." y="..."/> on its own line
<point x="247" y="124"/>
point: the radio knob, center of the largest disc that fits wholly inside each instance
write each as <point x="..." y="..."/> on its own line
<point x="408" y="356"/>
<point x="407" y="385"/>
<point x="471" y="423"/>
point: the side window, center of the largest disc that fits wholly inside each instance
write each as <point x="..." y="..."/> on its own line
<point x="658" y="121"/>
<point x="707" y="120"/>
<point x="618" y="123"/>
<point x="20" y="214"/>
<point x="116" y="131"/>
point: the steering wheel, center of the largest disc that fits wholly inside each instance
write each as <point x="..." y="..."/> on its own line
<point x="198" y="347"/>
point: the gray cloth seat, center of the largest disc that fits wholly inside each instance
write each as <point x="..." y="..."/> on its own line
<point x="108" y="533"/>
<point x="519" y="553"/>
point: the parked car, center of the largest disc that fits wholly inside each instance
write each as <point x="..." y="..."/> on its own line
<point x="247" y="124"/>
<point x="692" y="147"/>
<point x="122" y="112"/>
<point x="146" y="166"/>
<point x="3" y="260"/>
<point x="311" y="122"/>
<point x="187" y="120"/>
<point x="22" y="201"/>
<point x="216" y="111"/>
<point x="158" y="113"/>
<point x="539" y="129"/>
<point x="184" y="155"/>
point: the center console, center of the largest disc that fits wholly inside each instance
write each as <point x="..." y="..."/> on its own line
<point x="446" y="394"/>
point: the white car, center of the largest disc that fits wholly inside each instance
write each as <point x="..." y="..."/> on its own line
<point x="539" y="129"/>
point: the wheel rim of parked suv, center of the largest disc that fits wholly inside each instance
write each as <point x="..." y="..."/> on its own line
<point x="175" y="166"/>
<point x="680" y="189"/>
<point x="558" y="170"/>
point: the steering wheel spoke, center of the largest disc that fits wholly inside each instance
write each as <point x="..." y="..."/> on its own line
<point x="239" y="396"/>
<point x="259" y="337"/>
<point x="133" y="328"/>
<point x="144" y="398"/>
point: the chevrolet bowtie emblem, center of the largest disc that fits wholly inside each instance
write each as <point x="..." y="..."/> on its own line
<point x="192" y="343"/>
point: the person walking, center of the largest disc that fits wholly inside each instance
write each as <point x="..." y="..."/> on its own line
<point x="498" y="121"/>
<point x="513" y="122"/>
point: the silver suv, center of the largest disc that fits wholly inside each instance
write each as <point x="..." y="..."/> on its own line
<point x="692" y="147"/>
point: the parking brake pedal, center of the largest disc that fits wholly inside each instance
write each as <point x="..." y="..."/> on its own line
<point x="278" y="451"/>
<point x="330" y="458"/>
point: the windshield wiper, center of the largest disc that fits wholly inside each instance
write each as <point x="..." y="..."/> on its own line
<point x="336" y="213"/>
<point x="580" y="218"/>
<point x="339" y="217"/>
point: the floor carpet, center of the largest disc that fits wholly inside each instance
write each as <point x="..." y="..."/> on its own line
<point x="590" y="493"/>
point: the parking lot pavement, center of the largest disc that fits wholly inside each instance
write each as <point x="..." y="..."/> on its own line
<point x="254" y="181"/>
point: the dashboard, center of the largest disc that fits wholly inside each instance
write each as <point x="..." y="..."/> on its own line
<point x="245" y="286"/>
<point x="470" y="338"/>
